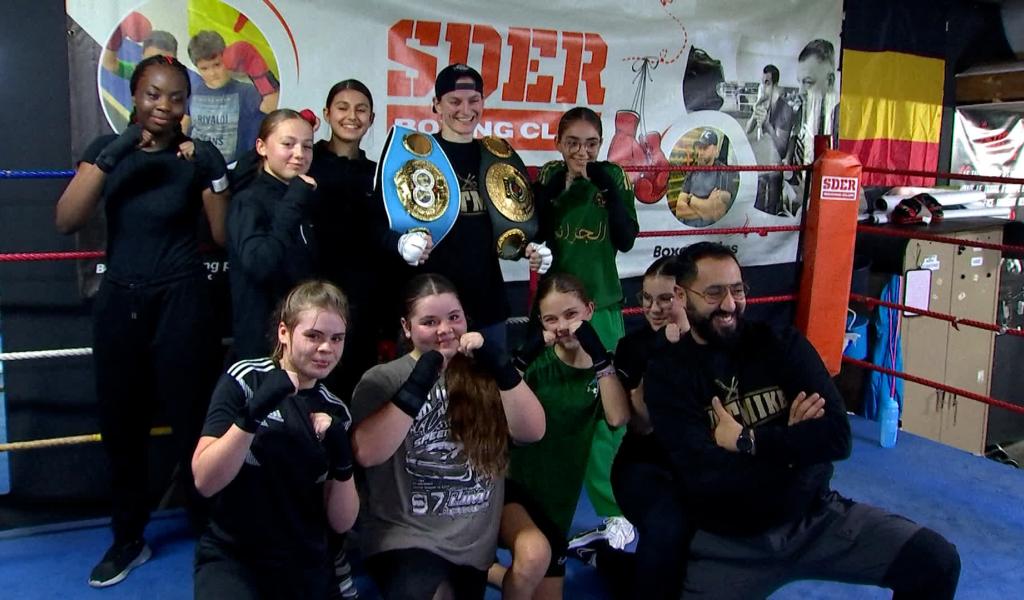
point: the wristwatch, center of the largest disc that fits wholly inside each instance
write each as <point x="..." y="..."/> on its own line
<point x="745" y="443"/>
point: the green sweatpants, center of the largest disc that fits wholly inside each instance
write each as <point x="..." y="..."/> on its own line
<point x="605" y="444"/>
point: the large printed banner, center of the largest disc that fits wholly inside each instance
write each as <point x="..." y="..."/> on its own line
<point x="989" y="141"/>
<point x="676" y="81"/>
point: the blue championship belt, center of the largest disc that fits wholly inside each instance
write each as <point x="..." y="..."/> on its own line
<point x="418" y="184"/>
<point x="509" y="199"/>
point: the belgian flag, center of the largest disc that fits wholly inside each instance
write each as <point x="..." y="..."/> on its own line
<point x="893" y="77"/>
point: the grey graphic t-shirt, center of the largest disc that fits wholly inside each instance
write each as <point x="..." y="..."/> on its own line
<point x="426" y="495"/>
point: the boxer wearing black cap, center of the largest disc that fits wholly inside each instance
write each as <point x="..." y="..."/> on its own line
<point x="706" y="195"/>
<point x="466" y="257"/>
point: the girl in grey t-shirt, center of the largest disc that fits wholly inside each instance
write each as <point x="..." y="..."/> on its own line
<point x="432" y="430"/>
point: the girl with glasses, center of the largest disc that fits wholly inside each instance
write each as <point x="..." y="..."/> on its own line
<point x="587" y="216"/>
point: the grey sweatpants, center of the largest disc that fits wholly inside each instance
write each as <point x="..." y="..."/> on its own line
<point x="841" y="541"/>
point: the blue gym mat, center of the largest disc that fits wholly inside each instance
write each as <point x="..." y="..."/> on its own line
<point x="977" y="503"/>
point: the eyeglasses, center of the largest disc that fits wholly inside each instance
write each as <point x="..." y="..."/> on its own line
<point x="716" y="294"/>
<point x="573" y="145"/>
<point x="647" y="300"/>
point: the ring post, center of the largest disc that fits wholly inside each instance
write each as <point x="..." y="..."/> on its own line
<point x="830" y="232"/>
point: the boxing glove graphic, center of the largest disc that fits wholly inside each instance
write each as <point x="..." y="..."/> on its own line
<point x="624" y="148"/>
<point x="655" y="183"/>
<point x="135" y="27"/>
<point x="243" y="57"/>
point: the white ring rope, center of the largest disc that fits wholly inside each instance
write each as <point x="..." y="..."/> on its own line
<point x="34" y="354"/>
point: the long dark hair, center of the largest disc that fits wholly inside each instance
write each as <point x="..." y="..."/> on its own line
<point x="475" y="413"/>
<point x="349" y="84"/>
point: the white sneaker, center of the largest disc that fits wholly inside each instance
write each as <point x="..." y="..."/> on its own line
<point x="617" y="531"/>
<point x="620" y="532"/>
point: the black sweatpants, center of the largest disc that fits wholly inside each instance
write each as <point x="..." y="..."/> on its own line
<point x="154" y="345"/>
<point x="415" y="574"/>
<point x="648" y="498"/>
<point x="224" y="571"/>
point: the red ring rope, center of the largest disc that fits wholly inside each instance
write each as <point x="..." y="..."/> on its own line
<point x="931" y="237"/>
<point x="941" y="175"/>
<point x="952" y="319"/>
<point x="636" y="310"/>
<point x="934" y="384"/>
<point x="732" y="168"/>
<point x="32" y="256"/>
<point x="761" y="231"/>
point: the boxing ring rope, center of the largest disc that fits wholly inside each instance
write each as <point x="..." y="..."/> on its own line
<point x="37" y="256"/>
<point x="951" y="319"/>
<point x="934" y="384"/>
<point x="71" y="440"/>
<point x="758" y="230"/>
<point x="38" y="354"/>
<point x="15" y="174"/>
<point x="944" y="239"/>
<point x="942" y="175"/>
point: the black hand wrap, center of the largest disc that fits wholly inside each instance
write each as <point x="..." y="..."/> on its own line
<point x="275" y="388"/>
<point x="339" y="451"/>
<point x="119" y="148"/>
<point x="495" y="361"/>
<point x="413" y="393"/>
<point x="622" y="229"/>
<point x="531" y="348"/>
<point x="211" y="166"/>
<point x="591" y="344"/>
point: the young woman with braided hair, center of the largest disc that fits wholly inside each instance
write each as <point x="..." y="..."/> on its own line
<point x="154" y="342"/>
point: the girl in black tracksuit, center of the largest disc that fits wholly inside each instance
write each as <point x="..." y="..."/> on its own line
<point x="270" y="238"/>
<point x="154" y="343"/>
<point x="355" y="246"/>
<point x="642" y="474"/>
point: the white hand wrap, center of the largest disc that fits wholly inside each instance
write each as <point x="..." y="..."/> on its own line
<point x="545" y="256"/>
<point x="411" y="246"/>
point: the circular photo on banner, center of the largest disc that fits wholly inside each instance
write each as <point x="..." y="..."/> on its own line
<point x="232" y="70"/>
<point x="701" y="198"/>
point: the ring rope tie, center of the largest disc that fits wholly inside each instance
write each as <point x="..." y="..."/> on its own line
<point x="951" y="319"/>
<point x="936" y="385"/>
<point x="70" y="440"/>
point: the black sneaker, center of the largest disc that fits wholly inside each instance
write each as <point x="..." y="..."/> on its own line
<point x="118" y="561"/>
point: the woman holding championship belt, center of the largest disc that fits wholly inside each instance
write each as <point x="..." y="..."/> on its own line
<point x="587" y="216"/>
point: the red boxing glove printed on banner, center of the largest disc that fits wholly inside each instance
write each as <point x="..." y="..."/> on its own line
<point x="243" y="57"/>
<point x="624" y="149"/>
<point x="135" y="27"/>
<point x="658" y="180"/>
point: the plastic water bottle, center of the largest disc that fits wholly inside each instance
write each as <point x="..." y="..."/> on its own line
<point x="889" y="422"/>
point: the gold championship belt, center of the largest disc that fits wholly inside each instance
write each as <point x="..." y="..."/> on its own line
<point x="508" y="197"/>
<point x="417" y="183"/>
